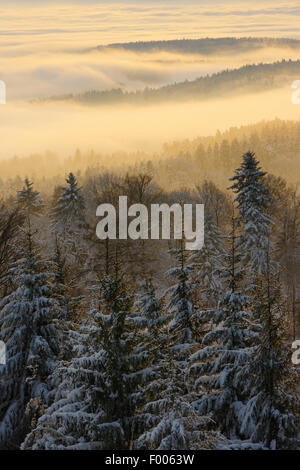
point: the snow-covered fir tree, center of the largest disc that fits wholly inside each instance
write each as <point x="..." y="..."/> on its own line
<point x="69" y="212"/>
<point x="98" y="400"/>
<point x="29" y="200"/>
<point x="180" y="303"/>
<point x="207" y="265"/>
<point x="150" y="312"/>
<point x="219" y="365"/>
<point x="68" y="304"/>
<point x="63" y="424"/>
<point x="69" y="223"/>
<point x="253" y="199"/>
<point x="27" y="326"/>
<point x="271" y="415"/>
<point x="169" y="420"/>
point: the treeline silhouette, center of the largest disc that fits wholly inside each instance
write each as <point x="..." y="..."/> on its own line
<point x="247" y="79"/>
<point x="206" y="46"/>
<point x="179" y="164"/>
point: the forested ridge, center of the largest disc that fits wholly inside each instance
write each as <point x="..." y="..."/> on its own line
<point x="206" y="46"/>
<point x="232" y="82"/>
<point x="176" y="165"/>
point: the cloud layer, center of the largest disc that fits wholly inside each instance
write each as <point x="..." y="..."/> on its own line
<point x="42" y="53"/>
<point x="41" y="44"/>
<point x="104" y="22"/>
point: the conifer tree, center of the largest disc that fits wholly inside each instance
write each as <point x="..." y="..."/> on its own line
<point x="10" y="222"/>
<point x="207" y="265"/>
<point x="69" y="223"/>
<point x="169" y="420"/>
<point x="27" y="327"/>
<point x="219" y="365"/>
<point x="68" y="304"/>
<point x="29" y="201"/>
<point x="106" y="380"/>
<point x="268" y="415"/>
<point x="150" y="312"/>
<point x="172" y="422"/>
<point x="271" y="415"/>
<point x="252" y="200"/>
<point x="69" y="212"/>
<point x="180" y="303"/>
<point x="124" y="362"/>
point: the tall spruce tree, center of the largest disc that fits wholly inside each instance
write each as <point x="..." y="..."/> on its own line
<point x="253" y="199"/>
<point x="219" y="365"/>
<point x="27" y="327"/>
<point x="106" y="380"/>
<point x="69" y="212"/>
<point x="150" y="313"/>
<point x="268" y="415"/>
<point x="207" y="265"/>
<point x="69" y="223"/>
<point x="29" y="201"/>
<point x="180" y="304"/>
<point x="68" y="304"/>
<point x="168" y="420"/>
<point x="271" y="415"/>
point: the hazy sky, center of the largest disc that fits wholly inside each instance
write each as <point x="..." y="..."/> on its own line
<point x="93" y="22"/>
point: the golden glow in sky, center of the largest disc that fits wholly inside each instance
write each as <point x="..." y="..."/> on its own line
<point x="90" y="23"/>
<point x="48" y="49"/>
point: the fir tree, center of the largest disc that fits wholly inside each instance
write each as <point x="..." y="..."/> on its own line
<point x="218" y="367"/>
<point x="168" y="419"/>
<point x="150" y="310"/>
<point x="29" y="201"/>
<point x="10" y="222"/>
<point x="105" y="379"/>
<point x="69" y="212"/>
<point x="70" y="225"/>
<point x="180" y="303"/>
<point x="271" y="415"/>
<point x="252" y="200"/>
<point x="68" y="304"/>
<point x="28" y="329"/>
<point x="207" y="265"/>
<point x="172" y="422"/>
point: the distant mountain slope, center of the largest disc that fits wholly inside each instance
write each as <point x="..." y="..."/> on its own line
<point x="207" y="46"/>
<point x="247" y="79"/>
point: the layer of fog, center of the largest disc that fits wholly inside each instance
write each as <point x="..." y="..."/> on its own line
<point x="62" y="127"/>
<point x="37" y="73"/>
<point x="41" y="49"/>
